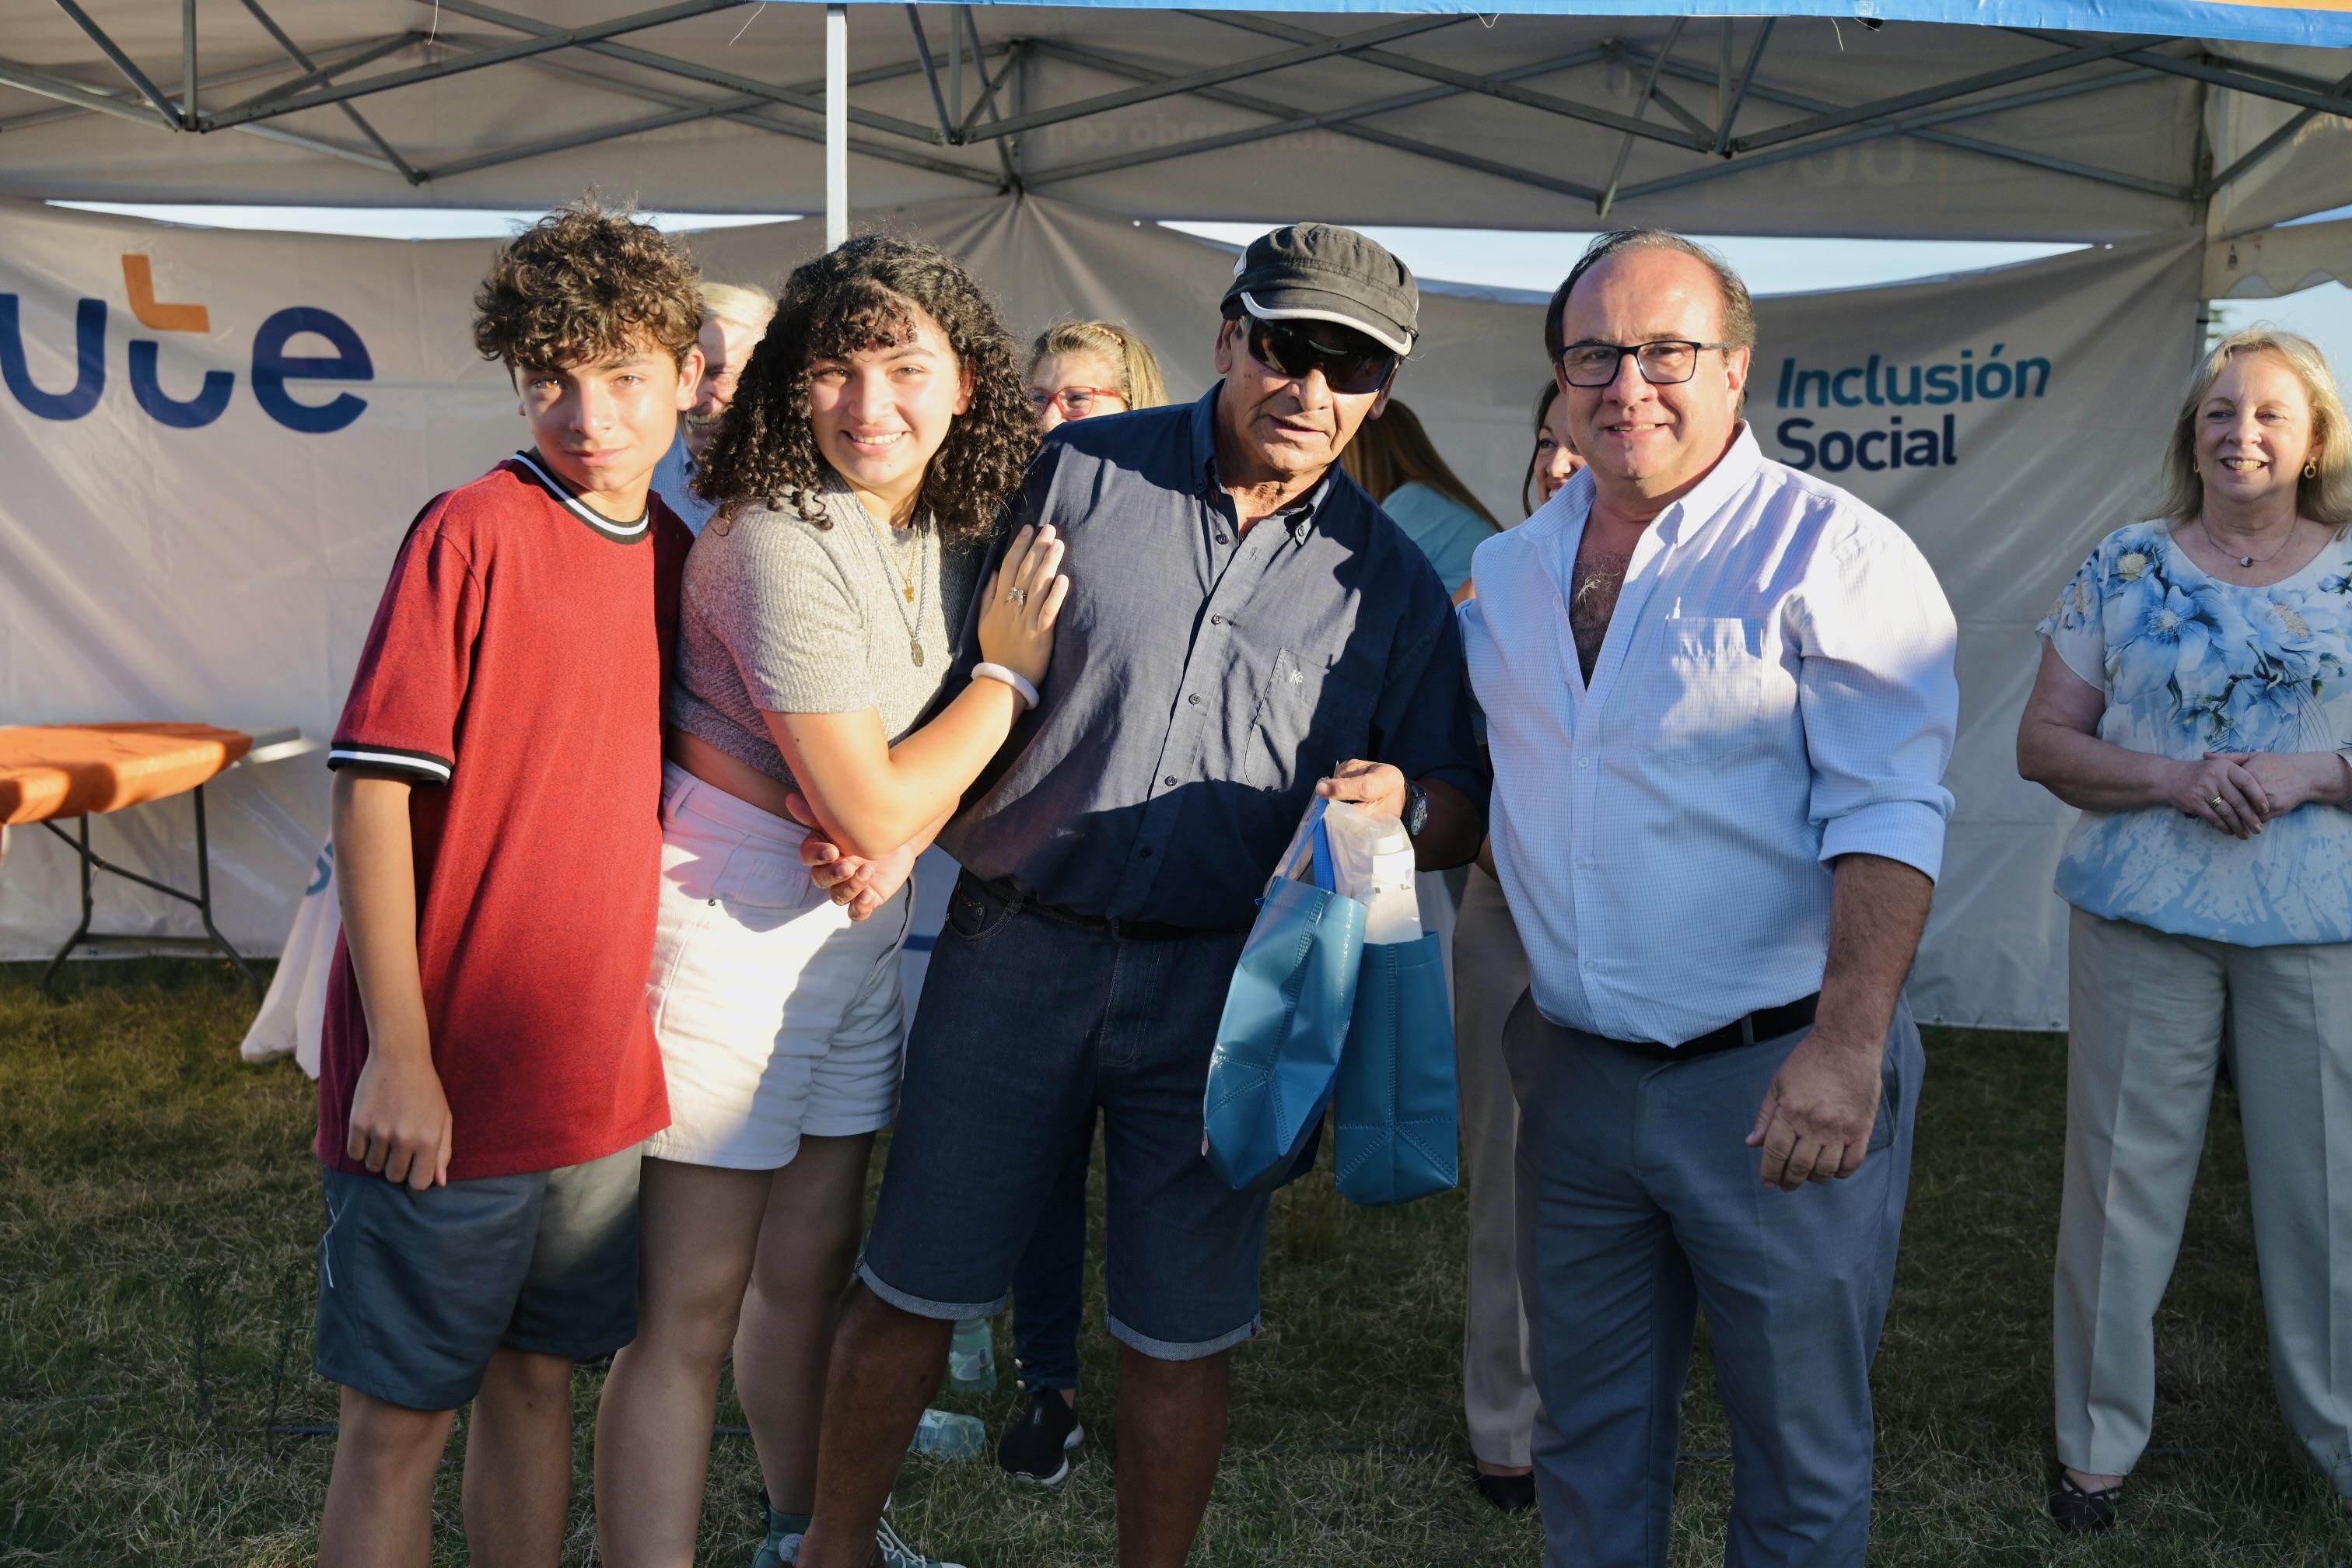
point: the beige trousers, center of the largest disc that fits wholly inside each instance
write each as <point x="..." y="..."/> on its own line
<point x="1490" y="974"/>
<point x="2152" y="1016"/>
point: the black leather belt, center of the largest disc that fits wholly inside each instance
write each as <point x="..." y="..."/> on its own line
<point x="1019" y="901"/>
<point x="1764" y="1023"/>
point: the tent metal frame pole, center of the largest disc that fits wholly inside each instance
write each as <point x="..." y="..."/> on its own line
<point x="989" y="86"/>
<point x="1705" y="129"/>
<point x="836" y="123"/>
<point x="521" y="48"/>
<point x="219" y="78"/>
<point x="1958" y="142"/>
<point x="81" y="95"/>
<point x="709" y="75"/>
<point x="1625" y="148"/>
<point x="1489" y="86"/>
<point x="187" y="65"/>
<point x="1336" y="120"/>
<point x="2268" y="145"/>
<point x="334" y="150"/>
<point x="755" y="114"/>
<point x="1921" y="126"/>
<point x="366" y="55"/>
<point x="400" y="165"/>
<point x="931" y="75"/>
<point x="2238" y="76"/>
<point x="2239" y="81"/>
<point x="2071" y="59"/>
<point x="1217" y="76"/>
<point x="169" y="112"/>
<point x="1747" y="80"/>
<point x="964" y="17"/>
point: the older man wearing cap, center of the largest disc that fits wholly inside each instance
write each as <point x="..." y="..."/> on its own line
<point x="1243" y="622"/>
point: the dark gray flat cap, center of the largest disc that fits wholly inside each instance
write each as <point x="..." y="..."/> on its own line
<point x="1321" y="272"/>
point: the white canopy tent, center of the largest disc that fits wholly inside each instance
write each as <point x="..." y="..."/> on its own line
<point x="1540" y="116"/>
<point x="1024" y="138"/>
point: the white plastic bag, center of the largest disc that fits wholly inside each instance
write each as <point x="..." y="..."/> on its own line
<point x="295" y="1010"/>
<point x="1371" y="862"/>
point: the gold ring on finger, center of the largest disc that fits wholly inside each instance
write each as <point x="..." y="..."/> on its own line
<point x="2217" y="802"/>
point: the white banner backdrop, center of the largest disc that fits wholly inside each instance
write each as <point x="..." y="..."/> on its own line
<point x="208" y="457"/>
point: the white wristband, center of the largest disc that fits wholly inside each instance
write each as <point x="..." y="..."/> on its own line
<point x="1013" y="678"/>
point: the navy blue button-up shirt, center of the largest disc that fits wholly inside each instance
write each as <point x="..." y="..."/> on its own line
<point x="1204" y="678"/>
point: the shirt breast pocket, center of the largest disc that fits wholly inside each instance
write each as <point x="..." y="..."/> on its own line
<point x="1308" y="720"/>
<point x="1707" y="696"/>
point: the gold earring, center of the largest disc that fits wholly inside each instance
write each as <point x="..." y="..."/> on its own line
<point x="2193" y="467"/>
<point x="2311" y="470"/>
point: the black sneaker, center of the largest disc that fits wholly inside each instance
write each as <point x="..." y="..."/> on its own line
<point x="1038" y="1450"/>
<point x="1512" y="1494"/>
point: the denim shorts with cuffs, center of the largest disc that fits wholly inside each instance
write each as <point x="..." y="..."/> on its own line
<point x="1028" y="1025"/>
<point x="418" y="1289"/>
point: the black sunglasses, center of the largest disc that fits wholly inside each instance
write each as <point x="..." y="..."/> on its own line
<point x="1352" y="363"/>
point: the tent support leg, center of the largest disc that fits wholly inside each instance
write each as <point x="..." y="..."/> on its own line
<point x="836" y="125"/>
<point x="188" y="65"/>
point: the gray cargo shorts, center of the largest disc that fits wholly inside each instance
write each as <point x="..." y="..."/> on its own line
<point x="417" y="1290"/>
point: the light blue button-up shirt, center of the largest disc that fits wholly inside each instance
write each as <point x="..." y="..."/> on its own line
<point x="674" y="482"/>
<point x="1777" y="688"/>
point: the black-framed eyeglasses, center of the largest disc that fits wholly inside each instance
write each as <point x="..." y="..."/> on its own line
<point x="1352" y="363"/>
<point x="1665" y="362"/>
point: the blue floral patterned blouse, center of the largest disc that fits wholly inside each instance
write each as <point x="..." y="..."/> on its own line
<point x="2190" y="664"/>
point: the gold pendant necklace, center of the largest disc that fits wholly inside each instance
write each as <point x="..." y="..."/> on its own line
<point x="904" y="580"/>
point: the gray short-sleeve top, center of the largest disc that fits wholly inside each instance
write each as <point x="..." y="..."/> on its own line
<point x="793" y="613"/>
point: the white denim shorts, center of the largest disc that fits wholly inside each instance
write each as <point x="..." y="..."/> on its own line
<point x="779" y="1017"/>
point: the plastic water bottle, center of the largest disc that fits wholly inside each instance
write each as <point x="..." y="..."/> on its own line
<point x="972" y="1355"/>
<point x="944" y="1435"/>
<point x="1393" y="911"/>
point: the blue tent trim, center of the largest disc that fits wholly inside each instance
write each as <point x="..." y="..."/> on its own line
<point x="2159" y="20"/>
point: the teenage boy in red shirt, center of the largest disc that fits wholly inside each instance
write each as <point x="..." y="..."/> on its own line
<point x="489" y="1068"/>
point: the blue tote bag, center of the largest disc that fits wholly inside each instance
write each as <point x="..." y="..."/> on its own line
<point x="1287" y="1016"/>
<point x="1398" y="1105"/>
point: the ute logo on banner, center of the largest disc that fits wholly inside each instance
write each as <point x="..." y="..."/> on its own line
<point x="1923" y="442"/>
<point x="273" y="368"/>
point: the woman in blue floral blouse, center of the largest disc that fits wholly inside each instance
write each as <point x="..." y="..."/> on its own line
<point x="2195" y="700"/>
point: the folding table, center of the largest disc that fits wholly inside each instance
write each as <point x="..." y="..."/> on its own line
<point x="51" y="772"/>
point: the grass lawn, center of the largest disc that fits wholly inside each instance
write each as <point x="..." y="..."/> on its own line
<point x="158" y="1207"/>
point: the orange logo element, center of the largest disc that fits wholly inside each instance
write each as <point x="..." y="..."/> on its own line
<point x="139" y="277"/>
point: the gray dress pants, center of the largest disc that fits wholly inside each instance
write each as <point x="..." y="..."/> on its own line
<point x="1640" y="1204"/>
<point x="2152" y="1015"/>
<point x="1490" y="970"/>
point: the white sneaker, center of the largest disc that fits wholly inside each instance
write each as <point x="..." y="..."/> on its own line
<point x="897" y="1553"/>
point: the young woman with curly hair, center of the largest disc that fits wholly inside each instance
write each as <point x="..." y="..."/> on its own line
<point x="877" y="431"/>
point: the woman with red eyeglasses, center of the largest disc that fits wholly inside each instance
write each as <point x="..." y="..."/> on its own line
<point x="1080" y="369"/>
<point x="1076" y="370"/>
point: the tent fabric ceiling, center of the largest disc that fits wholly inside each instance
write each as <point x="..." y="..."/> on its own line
<point x="1509" y="121"/>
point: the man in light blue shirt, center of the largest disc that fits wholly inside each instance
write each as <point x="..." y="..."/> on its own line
<point x="734" y="319"/>
<point x="1719" y="700"/>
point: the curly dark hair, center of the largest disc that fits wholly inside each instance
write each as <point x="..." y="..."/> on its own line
<point x="583" y="286"/>
<point x="863" y="295"/>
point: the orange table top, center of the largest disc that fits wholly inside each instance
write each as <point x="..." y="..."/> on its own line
<point x="75" y="770"/>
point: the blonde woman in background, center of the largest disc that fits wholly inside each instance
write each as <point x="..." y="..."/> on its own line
<point x="735" y="316"/>
<point x="1076" y="370"/>
<point x="1490" y="974"/>
<point x="1080" y="369"/>
<point x="2192" y="702"/>
<point x="1398" y="465"/>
